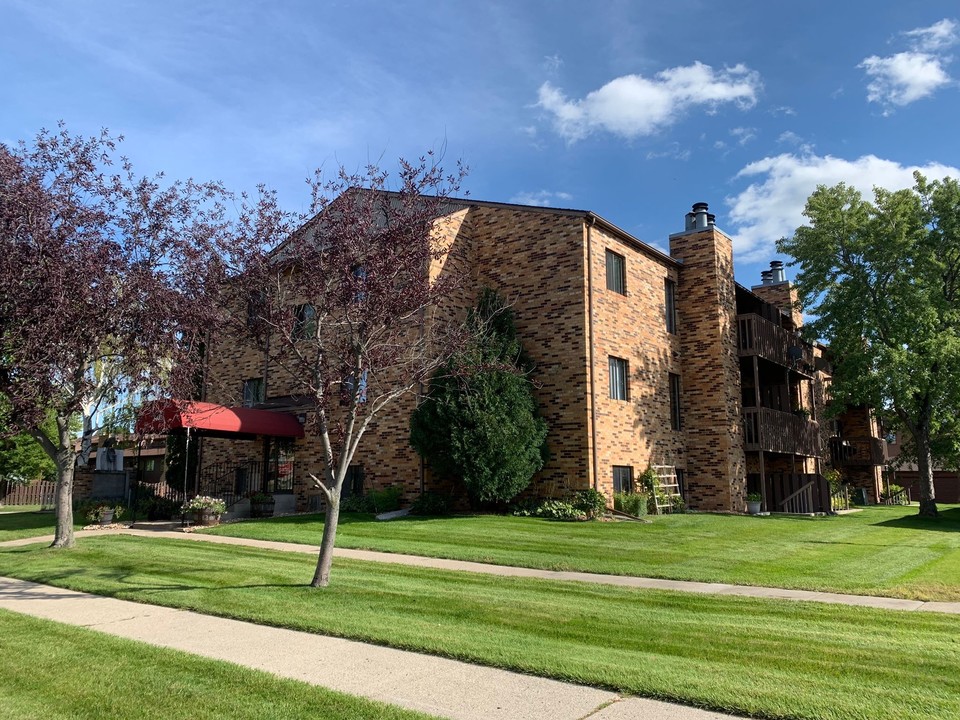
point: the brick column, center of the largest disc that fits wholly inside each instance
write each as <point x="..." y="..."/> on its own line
<point x="711" y="395"/>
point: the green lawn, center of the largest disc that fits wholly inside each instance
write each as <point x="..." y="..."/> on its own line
<point x="767" y="658"/>
<point x="15" y="525"/>
<point x="58" y="672"/>
<point x="879" y="551"/>
<point x="19" y="508"/>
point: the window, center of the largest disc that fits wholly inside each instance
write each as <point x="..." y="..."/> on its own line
<point x="618" y="379"/>
<point x="256" y="308"/>
<point x="675" y="419"/>
<point x="670" y="303"/>
<point x="681" y="482"/>
<point x="622" y="479"/>
<point x="252" y="392"/>
<point x="353" y="481"/>
<point x="616" y="273"/>
<point x="305" y="322"/>
<point x="346" y="389"/>
<point x="359" y="278"/>
<point x="149" y="465"/>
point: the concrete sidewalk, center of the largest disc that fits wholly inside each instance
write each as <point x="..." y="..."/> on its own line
<point x="442" y="687"/>
<point x="883" y="603"/>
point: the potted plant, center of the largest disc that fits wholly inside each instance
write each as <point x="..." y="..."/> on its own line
<point x="261" y="505"/>
<point x="754" y="501"/>
<point x="206" y="510"/>
<point x="104" y="514"/>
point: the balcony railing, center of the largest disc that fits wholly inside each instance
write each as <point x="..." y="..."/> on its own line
<point x="800" y="493"/>
<point x="854" y="452"/>
<point x="780" y="432"/>
<point x="758" y="336"/>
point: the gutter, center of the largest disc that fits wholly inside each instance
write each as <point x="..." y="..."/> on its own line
<point x="591" y="220"/>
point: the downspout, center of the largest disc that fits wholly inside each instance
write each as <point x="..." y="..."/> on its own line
<point x="593" y="390"/>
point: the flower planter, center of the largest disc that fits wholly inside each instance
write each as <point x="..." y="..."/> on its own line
<point x="753" y="507"/>
<point x="106" y="517"/>
<point x="206" y="518"/>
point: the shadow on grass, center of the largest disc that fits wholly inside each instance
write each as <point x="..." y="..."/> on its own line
<point x="948" y="521"/>
<point x="38" y="520"/>
<point x="349" y="518"/>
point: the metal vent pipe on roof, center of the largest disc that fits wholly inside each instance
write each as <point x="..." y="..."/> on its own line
<point x="776" y="272"/>
<point x="700" y="213"/>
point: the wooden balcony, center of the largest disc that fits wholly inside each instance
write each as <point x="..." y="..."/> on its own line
<point x="857" y="452"/>
<point x="780" y="432"/>
<point x="758" y="336"/>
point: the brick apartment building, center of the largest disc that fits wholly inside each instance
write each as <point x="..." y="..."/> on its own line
<point x="642" y="358"/>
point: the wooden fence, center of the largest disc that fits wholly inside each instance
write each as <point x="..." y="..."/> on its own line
<point x="39" y="493"/>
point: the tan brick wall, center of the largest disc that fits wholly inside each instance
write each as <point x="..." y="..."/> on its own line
<point x="536" y="261"/>
<point x="636" y="432"/>
<point x="783" y="296"/>
<point x="716" y="478"/>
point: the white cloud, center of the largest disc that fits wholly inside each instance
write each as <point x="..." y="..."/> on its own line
<point x="744" y="134"/>
<point x="772" y="206"/>
<point x="938" y="36"/>
<point x="790" y="137"/>
<point x="552" y="63"/>
<point x="632" y="105"/>
<point x="674" y="152"/>
<point x="541" y="198"/>
<point x="903" y="78"/>
<point x="908" y="76"/>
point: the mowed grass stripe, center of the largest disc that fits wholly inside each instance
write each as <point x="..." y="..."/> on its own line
<point x="770" y="658"/>
<point x="55" y="671"/>
<point x="879" y="551"/>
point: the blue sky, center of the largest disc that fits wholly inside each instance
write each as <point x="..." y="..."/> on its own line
<point x="633" y="110"/>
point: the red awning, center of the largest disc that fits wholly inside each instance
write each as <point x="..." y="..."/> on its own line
<point x="161" y="416"/>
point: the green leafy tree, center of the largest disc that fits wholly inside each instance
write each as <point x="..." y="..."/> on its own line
<point x="883" y="279"/>
<point x="22" y="460"/>
<point x="479" y="421"/>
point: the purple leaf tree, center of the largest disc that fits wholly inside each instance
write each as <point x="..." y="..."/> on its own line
<point x="106" y="285"/>
<point x="355" y="309"/>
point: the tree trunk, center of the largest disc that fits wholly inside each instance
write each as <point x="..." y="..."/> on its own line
<point x="928" y="501"/>
<point x="63" y="536"/>
<point x="321" y="578"/>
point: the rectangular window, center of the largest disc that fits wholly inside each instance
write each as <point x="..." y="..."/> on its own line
<point x="149" y="465"/>
<point x="618" y="379"/>
<point x="670" y="303"/>
<point x="616" y="273"/>
<point x="252" y="392"/>
<point x="622" y="479"/>
<point x="256" y="308"/>
<point x="675" y="420"/>
<point x="305" y="322"/>
<point x="353" y="482"/>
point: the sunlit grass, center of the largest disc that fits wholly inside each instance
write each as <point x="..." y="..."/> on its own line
<point x="58" y="672"/>
<point x="763" y="657"/>
<point x="879" y="551"/>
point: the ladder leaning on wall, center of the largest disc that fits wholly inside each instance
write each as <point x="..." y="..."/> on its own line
<point x="667" y="488"/>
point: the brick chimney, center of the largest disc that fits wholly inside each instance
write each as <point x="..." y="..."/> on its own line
<point x="775" y="289"/>
<point x="710" y="381"/>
